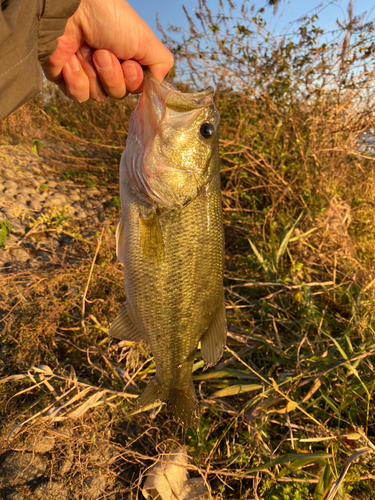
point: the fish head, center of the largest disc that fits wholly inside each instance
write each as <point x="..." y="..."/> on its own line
<point x="172" y="141"/>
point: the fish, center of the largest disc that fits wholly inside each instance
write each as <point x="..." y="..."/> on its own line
<point x="170" y="240"/>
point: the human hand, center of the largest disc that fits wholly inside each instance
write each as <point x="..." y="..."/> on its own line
<point x="101" y="52"/>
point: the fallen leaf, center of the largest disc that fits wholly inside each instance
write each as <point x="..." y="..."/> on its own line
<point x="169" y="479"/>
<point x="292" y="405"/>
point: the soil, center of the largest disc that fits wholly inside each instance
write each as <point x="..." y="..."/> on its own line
<point x="45" y="208"/>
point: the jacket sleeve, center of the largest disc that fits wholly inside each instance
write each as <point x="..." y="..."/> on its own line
<point x="28" y="35"/>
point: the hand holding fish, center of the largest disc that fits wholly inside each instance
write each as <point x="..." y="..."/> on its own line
<point x="102" y="50"/>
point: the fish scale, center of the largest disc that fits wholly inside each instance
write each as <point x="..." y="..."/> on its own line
<point x="173" y="254"/>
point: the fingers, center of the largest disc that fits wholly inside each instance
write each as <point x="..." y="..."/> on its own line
<point x="116" y="26"/>
<point x="67" y="46"/>
<point x="117" y="79"/>
<point x="110" y="73"/>
<point x="76" y="83"/>
<point x="123" y="42"/>
<point x="97" y="92"/>
<point x="98" y="74"/>
<point x="133" y="75"/>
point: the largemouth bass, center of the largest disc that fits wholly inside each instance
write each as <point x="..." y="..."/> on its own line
<point x="170" y="240"/>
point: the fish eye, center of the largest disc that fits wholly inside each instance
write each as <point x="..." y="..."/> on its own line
<point x="207" y="130"/>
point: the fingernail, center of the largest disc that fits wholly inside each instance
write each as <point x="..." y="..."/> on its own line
<point x="130" y="73"/>
<point x="74" y="64"/>
<point x="103" y="59"/>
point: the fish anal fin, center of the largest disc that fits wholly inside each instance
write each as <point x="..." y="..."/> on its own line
<point x="123" y="327"/>
<point x="214" y="339"/>
<point x="120" y="247"/>
<point x="152" y="244"/>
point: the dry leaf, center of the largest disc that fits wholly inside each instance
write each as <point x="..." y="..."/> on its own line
<point x="292" y="405"/>
<point x="313" y="390"/>
<point x="169" y="479"/>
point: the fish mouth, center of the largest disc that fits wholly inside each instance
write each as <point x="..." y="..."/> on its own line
<point x="173" y="98"/>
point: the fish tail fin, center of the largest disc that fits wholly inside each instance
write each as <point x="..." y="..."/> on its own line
<point x="181" y="401"/>
<point x="152" y="396"/>
<point x="183" y="404"/>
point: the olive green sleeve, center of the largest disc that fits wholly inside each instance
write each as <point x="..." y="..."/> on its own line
<point x="28" y="35"/>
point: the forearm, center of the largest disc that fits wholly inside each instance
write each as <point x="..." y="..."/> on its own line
<point x="28" y="35"/>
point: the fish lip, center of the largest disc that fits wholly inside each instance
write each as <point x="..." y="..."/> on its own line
<point x="175" y="98"/>
<point x="201" y="93"/>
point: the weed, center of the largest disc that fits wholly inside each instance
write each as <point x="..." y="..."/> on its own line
<point x="35" y="145"/>
<point x="115" y="200"/>
<point x="287" y="492"/>
<point x="5" y="230"/>
<point x="89" y="181"/>
<point x="51" y="217"/>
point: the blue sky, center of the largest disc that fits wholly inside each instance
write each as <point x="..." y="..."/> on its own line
<point x="170" y="11"/>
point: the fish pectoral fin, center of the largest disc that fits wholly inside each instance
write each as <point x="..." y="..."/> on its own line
<point x="123" y="327"/>
<point x="214" y="339"/>
<point x="120" y="247"/>
<point x="152" y="243"/>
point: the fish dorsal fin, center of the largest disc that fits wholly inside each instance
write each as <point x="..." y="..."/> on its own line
<point x="214" y="339"/>
<point x="123" y="327"/>
<point x="152" y="244"/>
<point x="120" y="243"/>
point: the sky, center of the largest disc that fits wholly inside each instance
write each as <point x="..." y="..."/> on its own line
<point x="170" y="11"/>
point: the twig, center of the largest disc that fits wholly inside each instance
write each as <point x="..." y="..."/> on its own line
<point x="10" y="312"/>
<point x="66" y="233"/>
<point x="89" y="279"/>
<point x="288" y="287"/>
<point x="32" y="231"/>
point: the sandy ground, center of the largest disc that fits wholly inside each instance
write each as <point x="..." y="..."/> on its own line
<point x="40" y="205"/>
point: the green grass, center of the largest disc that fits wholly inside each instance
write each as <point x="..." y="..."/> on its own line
<point x="5" y="230"/>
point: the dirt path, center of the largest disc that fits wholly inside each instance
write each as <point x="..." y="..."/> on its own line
<point x="42" y="210"/>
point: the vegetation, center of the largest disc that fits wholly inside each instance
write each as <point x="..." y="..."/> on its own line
<point x="293" y="398"/>
<point x="5" y="229"/>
